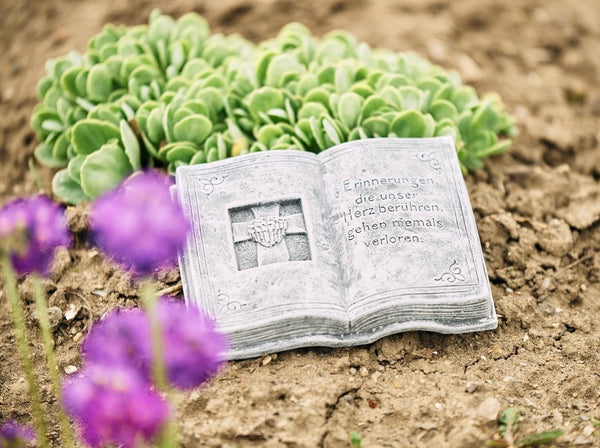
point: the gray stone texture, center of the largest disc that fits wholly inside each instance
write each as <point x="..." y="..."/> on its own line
<point x="366" y="239"/>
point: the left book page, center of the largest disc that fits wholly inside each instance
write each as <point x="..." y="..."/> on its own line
<point x="262" y="258"/>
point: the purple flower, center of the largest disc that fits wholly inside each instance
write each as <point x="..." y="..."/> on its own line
<point x="114" y="405"/>
<point x="139" y="225"/>
<point x="122" y="337"/>
<point x="30" y="231"/>
<point x="13" y="435"/>
<point x="193" y="349"/>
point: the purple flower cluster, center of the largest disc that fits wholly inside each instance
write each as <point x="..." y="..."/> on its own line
<point x="113" y="400"/>
<point x="30" y="231"/>
<point x="13" y="435"/>
<point x="114" y="405"/>
<point x="193" y="349"/>
<point x="139" y="225"/>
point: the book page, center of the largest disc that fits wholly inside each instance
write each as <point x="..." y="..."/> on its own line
<point x="261" y="249"/>
<point x="401" y="210"/>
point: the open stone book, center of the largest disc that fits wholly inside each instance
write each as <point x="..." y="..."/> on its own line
<point x="365" y="239"/>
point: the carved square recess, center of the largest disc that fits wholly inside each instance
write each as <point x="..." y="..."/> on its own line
<point x="270" y="232"/>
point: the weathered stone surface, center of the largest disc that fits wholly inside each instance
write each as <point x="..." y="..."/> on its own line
<point x="366" y="239"/>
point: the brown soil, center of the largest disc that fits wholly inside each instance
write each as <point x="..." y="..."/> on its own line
<point x="537" y="207"/>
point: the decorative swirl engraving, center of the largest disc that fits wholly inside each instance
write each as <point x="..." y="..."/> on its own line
<point x="430" y="160"/>
<point x="453" y="274"/>
<point x="227" y="305"/>
<point x="207" y="185"/>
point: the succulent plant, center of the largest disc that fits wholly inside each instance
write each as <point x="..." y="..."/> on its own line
<point x="169" y="94"/>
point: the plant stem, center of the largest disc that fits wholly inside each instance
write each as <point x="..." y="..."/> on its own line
<point x="159" y="371"/>
<point x="36" y="175"/>
<point x="44" y="323"/>
<point x="10" y="285"/>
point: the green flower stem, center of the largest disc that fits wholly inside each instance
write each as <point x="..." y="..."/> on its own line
<point x="44" y="322"/>
<point x="10" y="284"/>
<point x="159" y="371"/>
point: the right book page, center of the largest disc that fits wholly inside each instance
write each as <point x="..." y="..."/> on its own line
<point x="411" y="254"/>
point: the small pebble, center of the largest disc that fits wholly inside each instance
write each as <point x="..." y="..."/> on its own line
<point x="488" y="410"/>
<point x="588" y="430"/>
<point x="267" y="360"/>
<point x="72" y="312"/>
<point x="352" y="371"/>
<point x="582" y="441"/>
<point x="55" y="315"/>
<point x="363" y="371"/>
<point x="77" y="337"/>
<point x="471" y="387"/>
<point x="70" y="370"/>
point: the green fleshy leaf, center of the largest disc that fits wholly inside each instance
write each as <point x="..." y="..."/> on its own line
<point x="509" y="420"/>
<point x="109" y="113"/>
<point x="409" y="123"/>
<point x="318" y="95"/>
<point x="295" y="91"/>
<point x="349" y="108"/>
<point x="268" y="133"/>
<point x="183" y="153"/>
<point x="495" y="149"/>
<point x="221" y="147"/>
<point x="43" y="154"/>
<point x="74" y="168"/>
<point x="541" y="438"/>
<point x="279" y="66"/>
<point x="213" y="98"/>
<point x="194" y="128"/>
<point x="154" y="125"/>
<point x="80" y="83"/>
<point x="67" y="189"/>
<point x="484" y="117"/>
<point x="376" y="127"/>
<point x="104" y="169"/>
<point x="317" y="134"/>
<point x="131" y="144"/>
<point x="213" y="154"/>
<point x="168" y="123"/>
<point x="52" y="126"/>
<point x="464" y="98"/>
<point x="99" y="83"/>
<point x="265" y="99"/>
<point x="59" y="151"/>
<point x="312" y="110"/>
<point x="307" y="82"/>
<point x="43" y="86"/>
<point x="392" y="96"/>
<point x="441" y="109"/>
<point x="199" y="157"/>
<point x="343" y="79"/>
<point x="331" y="132"/>
<point x="68" y="82"/>
<point x="363" y="89"/>
<point x="375" y="105"/>
<point x="90" y="134"/>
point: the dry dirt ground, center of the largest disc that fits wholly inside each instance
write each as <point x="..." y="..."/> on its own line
<point x="537" y="208"/>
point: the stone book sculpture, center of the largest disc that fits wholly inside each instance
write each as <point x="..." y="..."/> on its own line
<point x="365" y="239"/>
